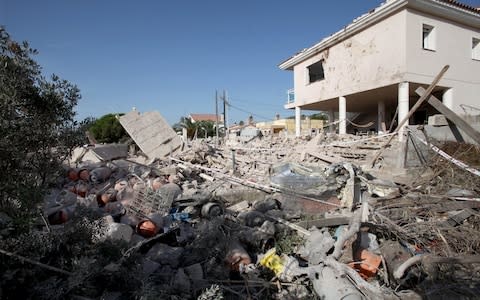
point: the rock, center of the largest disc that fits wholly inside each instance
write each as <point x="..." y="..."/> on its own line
<point x="181" y="282"/>
<point x="149" y="266"/>
<point x="118" y="231"/>
<point x="129" y="220"/>
<point x="195" y="272"/>
<point x="136" y="238"/>
<point x="165" y="254"/>
<point x="4" y="219"/>
<point x="169" y="192"/>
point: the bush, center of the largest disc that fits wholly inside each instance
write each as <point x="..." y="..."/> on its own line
<point x="108" y="129"/>
<point x="37" y="125"/>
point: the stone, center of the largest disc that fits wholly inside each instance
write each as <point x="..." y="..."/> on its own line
<point x="149" y="266"/>
<point x="4" y="219"/>
<point x="181" y="282"/>
<point x="195" y="272"/>
<point x="165" y="255"/>
<point x="118" y="231"/>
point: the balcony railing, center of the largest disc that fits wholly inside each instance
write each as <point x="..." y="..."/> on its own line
<point x="290" y="96"/>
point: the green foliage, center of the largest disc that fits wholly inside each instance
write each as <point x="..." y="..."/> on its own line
<point x="198" y="129"/>
<point x="73" y="248"/>
<point x="287" y="242"/>
<point x="108" y="129"/>
<point x="205" y="127"/>
<point x="319" y="116"/>
<point x="37" y="126"/>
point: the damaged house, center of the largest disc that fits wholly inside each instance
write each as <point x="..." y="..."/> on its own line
<point x="367" y="72"/>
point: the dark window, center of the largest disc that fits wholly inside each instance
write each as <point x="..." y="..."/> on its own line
<point x="315" y="72"/>
<point x="428" y="37"/>
<point x="476" y="48"/>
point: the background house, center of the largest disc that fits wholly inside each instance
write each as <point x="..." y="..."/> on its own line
<point x="287" y="126"/>
<point x="205" y="117"/>
<point x="369" y="70"/>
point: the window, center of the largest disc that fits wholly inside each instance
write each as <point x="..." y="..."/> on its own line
<point x="428" y="37"/>
<point x="475" y="48"/>
<point x="315" y="72"/>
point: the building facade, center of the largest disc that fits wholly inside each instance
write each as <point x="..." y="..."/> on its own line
<point x="372" y="67"/>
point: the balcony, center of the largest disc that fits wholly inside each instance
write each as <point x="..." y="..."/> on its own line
<point x="290" y="96"/>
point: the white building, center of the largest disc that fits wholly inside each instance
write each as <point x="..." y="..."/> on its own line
<point x="373" y="66"/>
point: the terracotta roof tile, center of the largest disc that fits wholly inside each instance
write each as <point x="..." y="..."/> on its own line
<point x="204" y="117"/>
<point x="462" y="5"/>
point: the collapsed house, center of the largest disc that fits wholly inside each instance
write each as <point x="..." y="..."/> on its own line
<point x="281" y="218"/>
<point x="274" y="218"/>
<point x="368" y="72"/>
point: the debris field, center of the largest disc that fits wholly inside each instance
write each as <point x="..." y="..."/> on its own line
<point x="270" y="219"/>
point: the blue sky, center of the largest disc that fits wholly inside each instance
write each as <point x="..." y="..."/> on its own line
<point x="171" y="56"/>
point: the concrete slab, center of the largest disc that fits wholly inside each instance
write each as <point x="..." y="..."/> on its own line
<point x="151" y="133"/>
<point x="110" y="151"/>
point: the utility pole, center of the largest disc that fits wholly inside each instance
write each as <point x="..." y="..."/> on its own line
<point x="216" y="117"/>
<point x="225" y="103"/>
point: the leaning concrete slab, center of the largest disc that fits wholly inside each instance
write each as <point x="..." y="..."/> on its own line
<point x="110" y="151"/>
<point x="151" y="133"/>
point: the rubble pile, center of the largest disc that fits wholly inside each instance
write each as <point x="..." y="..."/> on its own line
<point x="259" y="221"/>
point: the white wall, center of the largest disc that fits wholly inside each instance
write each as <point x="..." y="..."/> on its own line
<point x="453" y="47"/>
<point x="372" y="58"/>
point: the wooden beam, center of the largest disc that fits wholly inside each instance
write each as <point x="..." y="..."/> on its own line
<point x="326" y="222"/>
<point x="414" y="108"/>
<point x="450" y="115"/>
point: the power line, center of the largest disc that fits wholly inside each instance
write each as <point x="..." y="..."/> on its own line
<point x="249" y="112"/>
<point x="255" y="102"/>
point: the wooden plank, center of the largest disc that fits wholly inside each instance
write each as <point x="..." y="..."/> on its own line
<point x="449" y="114"/>
<point x="412" y="110"/>
<point x="325" y="222"/>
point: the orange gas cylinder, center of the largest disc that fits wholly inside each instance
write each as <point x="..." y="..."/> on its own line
<point x="368" y="264"/>
<point x="147" y="228"/>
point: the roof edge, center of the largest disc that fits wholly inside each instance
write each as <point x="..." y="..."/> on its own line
<point x="357" y="25"/>
<point x="364" y="21"/>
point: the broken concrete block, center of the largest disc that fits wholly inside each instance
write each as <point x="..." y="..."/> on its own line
<point x="437" y="120"/>
<point x="324" y="278"/>
<point x="136" y="238"/>
<point x="110" y="151"/>
<point x="195" y="272"/>
<point x="165" y="255"/>
<point x="118" y="231"/>
<point x="151" y="133"/>
<point x="381" y="187"/>
<point x="4" y="219"/>
<point x="181" y="282"/>
<point x="149" y="266"/>
<point x="317" y="246"/>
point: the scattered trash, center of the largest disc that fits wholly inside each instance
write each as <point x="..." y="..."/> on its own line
<point x="283" y="225"/>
